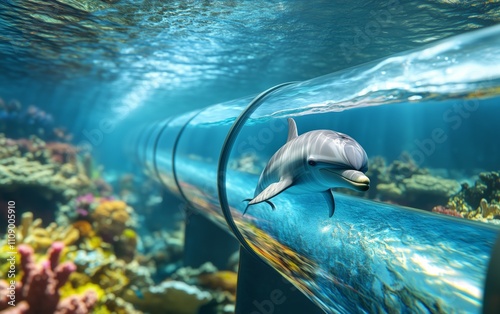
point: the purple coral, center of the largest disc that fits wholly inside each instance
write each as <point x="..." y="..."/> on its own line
<point x="85" y="200"/>
<point x="83" y="204"/>
<point x="38" y="291"/>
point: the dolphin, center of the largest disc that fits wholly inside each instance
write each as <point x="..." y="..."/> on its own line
<point x="316" y="161"/>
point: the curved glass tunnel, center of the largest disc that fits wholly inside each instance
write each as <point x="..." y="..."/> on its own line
<point x="370" y="256"/>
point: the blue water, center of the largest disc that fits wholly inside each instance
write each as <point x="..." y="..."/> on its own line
<point x="90" y="59"/>
<point x="101" y="68"/>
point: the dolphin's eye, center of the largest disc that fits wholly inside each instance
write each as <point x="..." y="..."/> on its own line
<point x="311" y="162"/>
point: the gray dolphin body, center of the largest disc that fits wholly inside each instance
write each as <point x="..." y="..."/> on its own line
<point x="315" y="161"/>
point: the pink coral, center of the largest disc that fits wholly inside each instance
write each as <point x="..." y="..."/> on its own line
<point x="446" y="211"/>
<point x="38" y="291"/>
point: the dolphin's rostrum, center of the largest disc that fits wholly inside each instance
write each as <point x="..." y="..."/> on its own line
<point x="315" y="161"/>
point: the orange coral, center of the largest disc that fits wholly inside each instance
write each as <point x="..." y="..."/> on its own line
<point x="84" y="227"/>
<point x="110" y="218"/>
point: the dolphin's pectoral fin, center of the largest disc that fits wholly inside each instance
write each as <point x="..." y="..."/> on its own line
<point x="273" y="207"/>
<point x="271" y="191"/>
<point x="328" y="195"/>
<point x="248" y="205"/>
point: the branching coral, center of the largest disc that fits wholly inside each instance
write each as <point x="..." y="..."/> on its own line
<point x="31" y="232"/>
<point x="489" y="211"/>
<point x="38" y="291"/>
<point x="27" y="164"/>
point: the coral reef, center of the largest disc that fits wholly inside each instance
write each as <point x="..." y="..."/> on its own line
<point x="208" y="276"/>
<point x="19" y="121"/>
<point x="111" y="218"/>
<point x="206" y="286"/>
<point x="487" y="186"/>
<point x="489" y="211"/>
<point x="446" y="211"/>
<point x="99" y="265"/>
<point x="100" y="268"/>
<point x="109" y="264"/>
<point x="62" y="153"/>
<point x="38" y="290"/>
<point x="169" y="297"/>
<point x="121" y="284"/>
<point x="403" y="182"/>
<point x="27" y="168"/>
<point x="112" y="222"/>
<point x="479" y="202"/>
<point x="40" y="239"/>
<point x="427" y="190"/>
<point x="163" y="251"/>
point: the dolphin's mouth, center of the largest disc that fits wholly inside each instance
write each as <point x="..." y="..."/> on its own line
<point x="353" y="179"/>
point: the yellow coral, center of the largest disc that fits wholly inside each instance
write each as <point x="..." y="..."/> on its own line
<point x="69" y="289"/>
<point x="94" y="243"/>
<point x="6" y="252"/>
<point x="129" y="234"/>
<point x="79" y="287"/>
<point x="31" y="232"/>
<point x="489" y="211"/>
<point x="223" y="280"/>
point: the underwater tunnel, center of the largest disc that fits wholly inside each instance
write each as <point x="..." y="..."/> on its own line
<point x="370" y="256"/>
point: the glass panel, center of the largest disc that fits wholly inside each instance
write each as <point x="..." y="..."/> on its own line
<point x="198" y="152"/>
<point x="425" y="120"/>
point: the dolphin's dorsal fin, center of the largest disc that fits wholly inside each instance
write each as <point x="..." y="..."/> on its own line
<point x="292" y="130"/>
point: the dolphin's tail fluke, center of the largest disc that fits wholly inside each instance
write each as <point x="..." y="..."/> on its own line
<point x="249" y="204"/>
